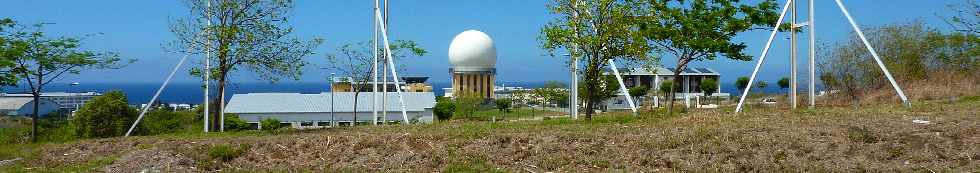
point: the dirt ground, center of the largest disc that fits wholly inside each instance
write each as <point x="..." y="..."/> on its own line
<point x="879" y="138"/>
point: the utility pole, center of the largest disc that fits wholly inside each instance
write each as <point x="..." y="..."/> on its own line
<point x="207" y="69"/>
<point x="384" y="61"/>
<point x="333" y="80"/>
<point x="792" y="61"/>
<point x="813" y="55"/>
<point x="374" y="65"/>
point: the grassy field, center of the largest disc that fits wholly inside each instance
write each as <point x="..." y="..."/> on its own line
<point x="877" y="138"/>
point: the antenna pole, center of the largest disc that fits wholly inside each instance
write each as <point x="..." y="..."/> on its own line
<point x="812" y="50"/>
<point x="874" y="54"/>
<point x="207" y="70"/>
<point x="155" y="96"/>
<point x="762" y="57"/>
<point x="622" y="87"/>
<point x="391" y="64"/>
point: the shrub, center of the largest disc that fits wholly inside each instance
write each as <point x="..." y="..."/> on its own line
<point x="638" y="91"/>
<point x="165" y="122"/>
<point x="225" y="153"/>
<point x="104" y="116"/>
<point x="234" y="123"/>
<point x="444" y="108"/>
<point x="270" y="124"/>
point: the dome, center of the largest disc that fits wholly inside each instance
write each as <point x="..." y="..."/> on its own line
<point x="472" y="50"/>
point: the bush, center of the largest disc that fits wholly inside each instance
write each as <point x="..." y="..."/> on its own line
<point x="165" y="122"/>
<point x="225" y="153"/>
<point x="104" y="116"/>
<point x="270" y="124"/>
<point x="638" y="91"/>
<point x="234" y="123"/>
<point x="444" y="108"/>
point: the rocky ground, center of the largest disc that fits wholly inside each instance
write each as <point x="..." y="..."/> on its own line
<point x="930" y="137"/>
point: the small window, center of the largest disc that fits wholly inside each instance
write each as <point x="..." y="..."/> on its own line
<point x="306" y="123"/>
<point x="323" y="124"/>
<point x="286" y="124"/>
<point x="343" y="123"/>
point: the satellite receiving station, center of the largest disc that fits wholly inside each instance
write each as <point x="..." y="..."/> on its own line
<point x="473" y="58"/>
<point x="812" y="52"/>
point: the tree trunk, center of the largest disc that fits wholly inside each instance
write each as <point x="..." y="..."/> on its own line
<point x="215" y="120"/>
<point x="36" y="92"/>
<point x="673" y="93"/>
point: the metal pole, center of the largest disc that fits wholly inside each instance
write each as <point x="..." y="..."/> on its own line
<point x="155" y="96"/>
<point x="333" y="80"/>
<point x="207" y="69"/>
<point x="221" y="107"/>
<point x="762" y="57"/>
<point x="622" y="87"/>
<point x="874" y="54"/>
<point x="391" y="64"/>
<point x="812" y="47"/>
<point x="374" y="66"/>
<point x="385" y="60"/>
<point x="793" y="63"/>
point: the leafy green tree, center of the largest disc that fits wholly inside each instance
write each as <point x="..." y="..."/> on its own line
<point x="701" y="30"/>
<point x="553" y="92"/>
<point x="608" y="88"/>
<point x="242" y="35"/>
<point x="503" y="105"/>
<point x="39" y="60"/>
<point x="639" y="91"/>
<point x="665" y="87"/>
<point x="444" y="108"/>
<point x="10" y="46"/>
<point x="709" y="86"/>
<point x="108" y="115"/>
<point x="593" y="32"/>
<point x="270" y="124"/>
<point x="356" y="64"/>
<point x="742" y="82"/>
<point x="762" y="84"/>
<point x="783" y="83"/>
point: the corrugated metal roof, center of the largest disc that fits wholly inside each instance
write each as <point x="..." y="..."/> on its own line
<point x="14" y="103"/>
<point x="309" y="103"/>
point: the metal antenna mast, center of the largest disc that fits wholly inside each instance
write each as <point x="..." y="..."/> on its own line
<point x="857" y="30"/>
<point x="207" y="70"/>
<point x="622" y="87"/>
<point x="374" y="66"/>
<point x="391" y="64"/>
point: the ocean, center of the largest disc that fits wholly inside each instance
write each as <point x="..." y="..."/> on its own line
<point x="192" y="93"/>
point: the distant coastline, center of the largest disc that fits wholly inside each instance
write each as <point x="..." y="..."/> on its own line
<point x="186" y="92"/>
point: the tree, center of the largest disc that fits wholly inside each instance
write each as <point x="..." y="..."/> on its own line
<point x="709" y="86"/>
<point x="783" y="83"/>
<point x="503" y="105"/>
<point x="742" y="82"/>
<point x="357" y="63"/>
<point x="164" y="121"/>
<point x="607" y="88"/>
<point x="242" y="34"/>
<point x="701" y="30"/>
<point x="593" y="32"/>
<point x="639" y="91"/>
<point x="553" y="92"/>
<point x="967" y="18"/>
<point x="444" y="108"/>
<point x="9" y="47"/>
<point x="235" y="123"/>
<point x="39" y="60"/>
<point x="762" y="84"/>
<point x="104" y="116"/>
<point x="467" y="102"/>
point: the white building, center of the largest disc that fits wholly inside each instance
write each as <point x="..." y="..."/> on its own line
<point x="690" y="81"/>
<point x="24" y="106"/>
<point x="68" y="101"/>
<point x="314" y="110"/>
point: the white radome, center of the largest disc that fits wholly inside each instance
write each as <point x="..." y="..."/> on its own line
<point x="472" y="50"/>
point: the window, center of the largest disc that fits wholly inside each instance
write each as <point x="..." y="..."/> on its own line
<point x="343" y="123"/>
<point x="323" y="124"/>
<point x="286" y="124"/>
<point x="306" y="123"/>
<point x="253" y="125"/>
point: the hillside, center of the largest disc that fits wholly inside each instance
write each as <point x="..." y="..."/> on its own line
<point x="880" y="138"/>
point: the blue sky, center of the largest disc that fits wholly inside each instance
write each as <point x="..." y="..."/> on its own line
<point x="138" y="29"/>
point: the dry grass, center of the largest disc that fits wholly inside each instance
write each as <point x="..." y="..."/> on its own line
<point x="878" y="138"/>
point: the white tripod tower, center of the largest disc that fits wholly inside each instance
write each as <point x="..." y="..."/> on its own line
<point x="857" y="30"/>
<point x="380" y="20"/>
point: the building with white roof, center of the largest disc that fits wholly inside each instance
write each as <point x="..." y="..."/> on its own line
<point x="24" y="106"/>
<point x="315" y="110"/>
